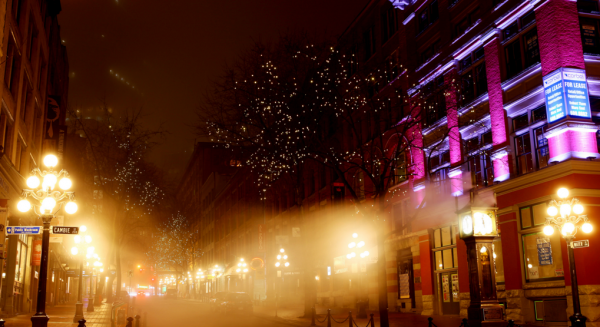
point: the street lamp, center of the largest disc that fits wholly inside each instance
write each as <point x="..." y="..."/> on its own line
<point x="356" y="246"/>
<point x="82" y="251"/>
<point x="566" y="216"/>
<point x="46" y="203"/>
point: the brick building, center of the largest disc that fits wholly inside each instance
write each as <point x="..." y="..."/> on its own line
<point x="34" y="95"/>
<point x="497" y="144"/>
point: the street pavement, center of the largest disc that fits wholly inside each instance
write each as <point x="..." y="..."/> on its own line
<point x="62" y="316"/>
<point x="169" y="312"/>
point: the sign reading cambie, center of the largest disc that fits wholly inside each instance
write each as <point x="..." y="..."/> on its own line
<point x="17" y="230"/>
<point x="566" y="94"/>
<point x="65" y="230"/>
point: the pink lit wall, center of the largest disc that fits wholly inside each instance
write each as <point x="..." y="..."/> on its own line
<point x="452" y="115"/>
<point x="415" y="139"/>
<point x="572" y="144"/>
<point x="559" y="36"/>
<point x="494" y="78"/>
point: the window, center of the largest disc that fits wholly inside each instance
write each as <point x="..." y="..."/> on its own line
<point x="520" y="122"/>
<point x="533" y="216"/>
<point x="439" y="159"/>
<point x="392" y="67"/>
<point x="369" y="43"/>
<point x="498" y="260"/>
<point x="463" y="25"/>
<point x="389" y="24"/>
<point x="311" y="182"/>
<point x="429" y="52"/>
<point x="474" y="80"/>
<point x="19" y="155"/>
<point x="12" y="67"/>
<point x="538" y="114"/>
<point x="351" y="62"/>
<point x="359" y="185"/>
<point x="434" y="105"/>
<point x="541" y="147"/>
<point x="589" y="35"/>
<point x="428" y="16"/>
<point x="523" y="153"/>
<point x="486" y="138"/>
<point x="482" y="170"/>
<point x="444" y="239"/>
<point x="323" y="177"/>
<point x="399" y="170"/>
<point x="524" y="51"/>
<point x="25" y="99"/>
<point x="542" y="257"/>
<point x="587" y="6"/>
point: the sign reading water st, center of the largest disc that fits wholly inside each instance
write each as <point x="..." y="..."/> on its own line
<point x="566" y="94"/>
<point x="18" y="230"/>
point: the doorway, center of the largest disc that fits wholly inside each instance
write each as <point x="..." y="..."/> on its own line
<point x="449" y="293"/>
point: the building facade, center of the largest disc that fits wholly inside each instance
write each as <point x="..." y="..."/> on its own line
<point x="34" y="100"/>
<point x="480" y="74"/>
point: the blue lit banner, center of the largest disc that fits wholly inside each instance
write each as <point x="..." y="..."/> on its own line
<point x="578" y="101"/>
<point x="555" y="99"/>
<point x="566" y="94"/>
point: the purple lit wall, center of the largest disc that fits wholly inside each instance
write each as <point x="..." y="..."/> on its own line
<point x="452" y="115"/>
<point x="560" y="46"/>
<point x="494" y="79"/>
<point x="559" y="35"/>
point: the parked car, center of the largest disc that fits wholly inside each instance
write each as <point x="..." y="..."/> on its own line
<point x="141" y="294"/>
<point x="237" y="302"/>
<point x="171" y="294"/>
<point x="216" y="299"/>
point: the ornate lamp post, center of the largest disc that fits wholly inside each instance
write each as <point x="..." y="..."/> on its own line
<point x="354" y="246"/>
<point x="477" y="226"/>
<point x="566" y="216"/>
<point x="83" y="240"/>
<point x="242" y="270"/>
<point x="46" y="203"/>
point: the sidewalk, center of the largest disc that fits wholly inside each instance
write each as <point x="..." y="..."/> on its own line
<point x="62" y="316"/>
<point x="292" y="314"/>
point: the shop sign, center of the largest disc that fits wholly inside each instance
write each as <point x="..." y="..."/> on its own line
<point x="36" y="256"/>
<point x="544" y="251"/>
<point x="566" y="94"/>
<point x="581" y="244"/>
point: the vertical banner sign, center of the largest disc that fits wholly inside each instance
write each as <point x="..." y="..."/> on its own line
<point x="544" y="251"/>
<point x="36" y="255"/>
<point x="566" y="94"/>
<point x="261" y="238"/>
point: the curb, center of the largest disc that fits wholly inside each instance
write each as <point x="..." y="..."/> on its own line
<point x="280" y="320"/>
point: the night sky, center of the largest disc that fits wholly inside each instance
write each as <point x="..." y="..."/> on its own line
<point x="165" y="54"/>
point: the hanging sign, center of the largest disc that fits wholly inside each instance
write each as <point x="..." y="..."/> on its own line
<point x="566" y="94"/>
<point x="544" y="251"/>
<point x="580" y="244"/>
<point x="36" y="256"/>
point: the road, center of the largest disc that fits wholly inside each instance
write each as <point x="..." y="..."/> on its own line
<point x="171" y="313"/>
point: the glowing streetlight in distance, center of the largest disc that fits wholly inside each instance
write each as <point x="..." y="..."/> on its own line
<point x="71" y="207"/>
<point x="24" y="205"/>
<point x="74" y="250"/>
<point x="281" y="250"/>
<point x="88" y="239"/>
<point x="562" y="192"/>
<point x="33" y="182"/>
<point x="77" y="239"/>
<point x="65" y="183"/>
<point x="50" y="161"/>
<point x="355" y="235"/>
<point x="83" y="228"/>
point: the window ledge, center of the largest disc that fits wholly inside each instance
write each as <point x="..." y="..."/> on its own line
<point x="524" y="74"/>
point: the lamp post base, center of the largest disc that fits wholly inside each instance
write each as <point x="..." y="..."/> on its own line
<point x="39" y="320"/>
<point x="78" y="312"/>
<point x="577" y="320"/>
<point x="90" y="307"/>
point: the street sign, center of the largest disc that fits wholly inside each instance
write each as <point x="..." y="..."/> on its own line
<point x="65" y="230"/>
<point x="18" y="230"/>
<point x="581" y="244"/>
